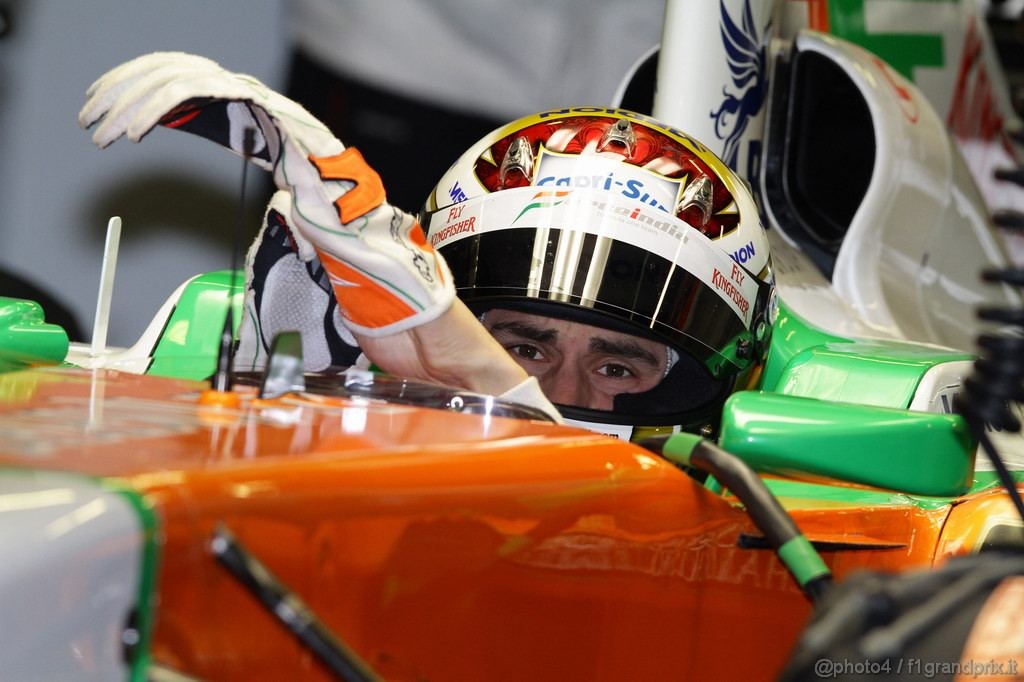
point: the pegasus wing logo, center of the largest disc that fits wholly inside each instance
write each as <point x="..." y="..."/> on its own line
<point x="745" y="53"/>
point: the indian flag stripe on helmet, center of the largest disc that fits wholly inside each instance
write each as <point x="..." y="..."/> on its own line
<point x="544" y="200"/>
<point x="603" y="214"/>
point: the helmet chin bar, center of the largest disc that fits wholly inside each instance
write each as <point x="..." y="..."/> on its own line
<point x="687" y="387"/>
<point x="635" y="425"/>
<point x="620" y="431"/>
<point x="638" y="433"/>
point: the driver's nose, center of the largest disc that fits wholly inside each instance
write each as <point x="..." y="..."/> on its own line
<point x="565" y="387"/>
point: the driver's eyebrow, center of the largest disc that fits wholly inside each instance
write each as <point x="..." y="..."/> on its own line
<point x="625" y="348"/>
<point x="527" y="331"/>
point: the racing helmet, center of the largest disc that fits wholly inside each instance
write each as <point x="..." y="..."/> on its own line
<point x="614" y="220"/>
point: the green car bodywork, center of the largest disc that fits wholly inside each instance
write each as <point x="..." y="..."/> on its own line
<point x="193" y="329"/>
<point x="26" y="338"/>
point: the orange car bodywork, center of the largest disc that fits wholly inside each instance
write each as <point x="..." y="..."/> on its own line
<point x="444" y="546"/>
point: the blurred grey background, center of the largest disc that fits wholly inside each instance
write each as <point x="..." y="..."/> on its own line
<point x="176" y="194"/>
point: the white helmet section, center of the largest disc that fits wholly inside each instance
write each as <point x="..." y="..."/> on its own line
<point x="648" y="191"/>
<point x="607" y="214"/>
<point x="75" y="556"/>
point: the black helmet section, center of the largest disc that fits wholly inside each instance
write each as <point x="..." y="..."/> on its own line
<point x="688" y="395"/>
<point x="616" y="285"/>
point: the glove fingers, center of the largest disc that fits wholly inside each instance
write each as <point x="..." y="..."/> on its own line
<point x="127" y="72"/>
<point x="139" y="66"/>
<point x="170" y="92"/>
<point x="121" y="114"/>
<point x="118" y="105"/>
<point x="236" y="95"/>
<point x="110" y="86"/>
<point x="103" y="94"/>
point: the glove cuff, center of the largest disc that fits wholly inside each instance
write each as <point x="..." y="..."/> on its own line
<point x="529" y="393"/>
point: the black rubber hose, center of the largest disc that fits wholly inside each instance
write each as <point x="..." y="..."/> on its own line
<point x="289" y="610"/>
<point x="781" y="532"/>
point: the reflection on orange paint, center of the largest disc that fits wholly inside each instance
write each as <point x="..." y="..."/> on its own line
<point x="442" y="546"/>
<point x="970" y="522"/>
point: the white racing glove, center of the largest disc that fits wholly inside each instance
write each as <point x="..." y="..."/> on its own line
<point x="385" y="275"/>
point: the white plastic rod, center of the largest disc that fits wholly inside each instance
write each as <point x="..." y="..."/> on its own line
<point x="99" y="327"/>
<point x="716" y="99"/>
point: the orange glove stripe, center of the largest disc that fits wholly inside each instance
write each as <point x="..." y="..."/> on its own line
<point x="417" y="237"/>
<point x="368" y="193"/>
<point x="362" y="300"/>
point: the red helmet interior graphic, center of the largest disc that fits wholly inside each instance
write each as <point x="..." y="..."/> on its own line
<point x="637" y="145"/>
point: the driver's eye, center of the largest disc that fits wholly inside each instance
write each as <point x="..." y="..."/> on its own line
<point x="615" y="371"/>
<point x="526" y="351"/>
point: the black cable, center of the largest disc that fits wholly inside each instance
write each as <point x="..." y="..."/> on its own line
<point x="289" y="609"/>
<point x="890" y="640"/>
<point x="998" y="378"/>
<point x="222" y="379"/>
<point x="1005" y="477"/>
<point x="763" y="508"/>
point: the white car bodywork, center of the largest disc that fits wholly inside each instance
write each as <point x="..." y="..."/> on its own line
<point x="909" y="266"/>
<point x="70" y="578"/>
